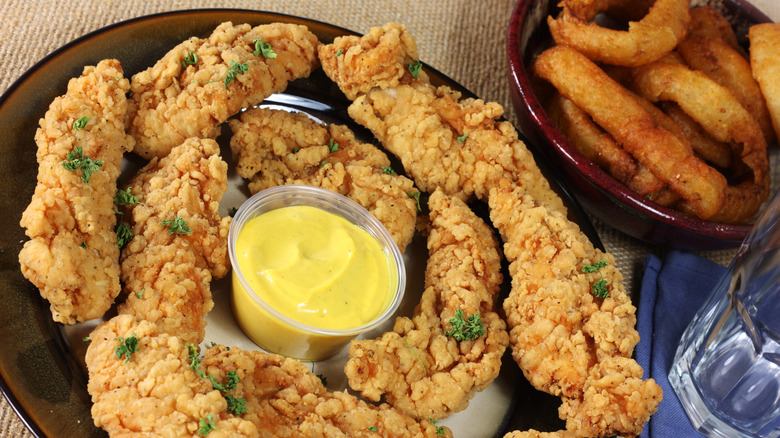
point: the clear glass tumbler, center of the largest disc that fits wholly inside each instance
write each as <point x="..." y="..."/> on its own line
<point x="726" y="371"/>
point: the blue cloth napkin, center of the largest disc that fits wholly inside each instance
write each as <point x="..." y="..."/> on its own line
<point x="671" y="294"/>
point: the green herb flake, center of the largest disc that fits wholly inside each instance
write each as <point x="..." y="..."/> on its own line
<point x="333" y="146"/>
<point x="236" y="405"/>
<point x="206" y="425"/>
<point x="232" y="212"/>
<point x="439" y="429"/>
<point x="77" y="160"/>
<point x="264" y="49"/>
<point x="323" y="379"/>
<point x="372" y="428"/>
<point x="465" y="329"/>
<point x="126" y="347"/>
<point x="339" y="52"/>
<point x="124" y="197"/>
<point x="86" y="339"/>
<point x="194" y="357"/>
<point x="414" y="68"/>
<point x="599" y="287"/>
<point x="123" y="234"/>
<point x="190" y="59"/>
<point x="462" y="138"/>
<point x="416" y="197"/>
<point x="177" y="225"/>
<point x="388" y="170"/>
<point x="234" y="70"/>
<point x="415" y="355"/>
<point x="140" y="294"/>
<point x="83" y="245"/>
<point x="81" y="123"/>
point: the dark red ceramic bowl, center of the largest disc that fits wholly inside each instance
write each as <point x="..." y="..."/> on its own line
<point x="603" y="196"/>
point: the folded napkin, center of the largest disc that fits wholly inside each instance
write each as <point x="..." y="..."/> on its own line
<point x="671" y="294"/>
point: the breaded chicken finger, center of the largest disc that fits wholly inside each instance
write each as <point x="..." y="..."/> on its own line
<point x="201" y="82"/>
<point x="73" y="257"/>
<point x="426" y="367"/>
<point x="571" y="322"/>
<point x="458" y="145"/>
<point x="180" y="239"/>
<point x="275" y="147"/>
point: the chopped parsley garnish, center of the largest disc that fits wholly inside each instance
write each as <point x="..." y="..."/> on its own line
<point x="415" y="355"/>
<point x="416" y="197"/>
<point x="339" y="53"/>
<point x="323" y="379"/>
<point x="206" y="425"/>
<point x="439" y="429"/>
<point x="236" y="405"/>
<point x="76" y="160"/>
<point x="372" y="428"/>
<point x="333" y="146"/>
<point x="599" y="287"/>
<point x="195" y="360"/>
<point x="81" y="123"/>
<point x="190" y="59"/>
<point x="140" y="294"/>
<point x="414" y="68"/>
<point x="83" y="245"/>
<point x="264" y="49"/>
<point x="177" y="225"/>
<point x="462" y="138"/>
<point x="86" y="339"/>
<point x="465" y="329"/>
<point x="234" y="70"/>
<point x="126" y="347"/>
<point x="123" y="234"/>
<point x="124" y="197"/>
<point x="388" y="170"/>
<point x="232" y="212"/>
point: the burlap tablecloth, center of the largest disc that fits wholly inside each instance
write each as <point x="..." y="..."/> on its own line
<point x="464" y="39"/>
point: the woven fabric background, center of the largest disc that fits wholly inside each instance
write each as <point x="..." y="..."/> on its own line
<point x="462" y="38"/>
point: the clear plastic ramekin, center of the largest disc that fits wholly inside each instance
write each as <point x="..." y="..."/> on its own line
<point x="279" y="333"/>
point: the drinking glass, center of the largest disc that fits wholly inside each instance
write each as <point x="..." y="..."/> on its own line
<point x="726" y="371"/>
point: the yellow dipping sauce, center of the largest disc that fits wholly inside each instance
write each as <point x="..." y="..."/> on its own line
<point x="314" y="267"/>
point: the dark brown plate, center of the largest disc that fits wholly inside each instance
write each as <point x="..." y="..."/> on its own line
<point x="41" y="366"/>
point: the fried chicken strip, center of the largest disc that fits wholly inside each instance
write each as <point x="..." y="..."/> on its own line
<point x="567" y="341"/>
<point x="419" y="368"/>
<point x="167" y="272"/>
<point x="275" y="147"/>
<point x="458" y="145"/>
<point x="72" y="255"/>
<point x="202" y="82"/>
<point x="164" y="389"/>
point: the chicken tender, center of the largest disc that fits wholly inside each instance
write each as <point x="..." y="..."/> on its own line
<point x="275" y="147"/>
<point x="163" y="388"/>
<point x="568" y="341"/>
<point x="202" y="82"/>
<point x="419" y="367"/>
<point x="458" y="145"/>
<point x="167" y="269"/>
<point x="72" y="255"/>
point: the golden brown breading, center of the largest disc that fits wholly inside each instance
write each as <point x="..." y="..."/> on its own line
<point x="161" y="391"/>
<point x="417" y="367"/>
<point x="166" y="274"/>
<point x="567" y="341"/>
<point x="174" y="100"/>
<point x="380" y="59"/>
<point x="73" y="257"/>
<point x="275" y="147"/>
<point x="155" y="392"/>
<point x="459" y="145"/>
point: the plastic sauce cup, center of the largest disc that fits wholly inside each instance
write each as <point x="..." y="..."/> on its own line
<point x="279" y="333"/>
